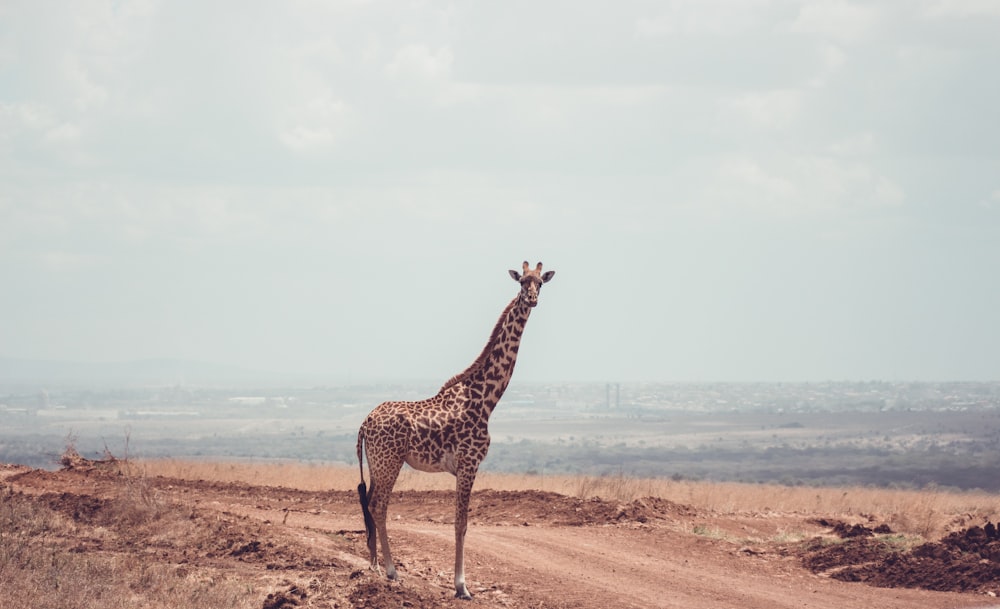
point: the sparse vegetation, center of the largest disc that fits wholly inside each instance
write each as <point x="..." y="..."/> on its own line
<point x="42" y="571"/>
<point x="707" y="531"/>
<point x="900" y="542"/>
<point x="37" y="564"/>
<point x="925" y="513"/>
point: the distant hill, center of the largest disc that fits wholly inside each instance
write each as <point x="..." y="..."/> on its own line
<point x="162" y="371"/>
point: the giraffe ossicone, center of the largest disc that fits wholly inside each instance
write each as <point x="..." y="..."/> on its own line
<point x="445" y="433"/>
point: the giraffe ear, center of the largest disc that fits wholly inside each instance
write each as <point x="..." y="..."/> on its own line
<point x="515" y="275"/>
<point x="546" y="276"/>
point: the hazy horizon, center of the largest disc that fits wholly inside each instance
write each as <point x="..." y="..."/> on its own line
<point x="163" y="372"/>
<point x="769" y="190"/>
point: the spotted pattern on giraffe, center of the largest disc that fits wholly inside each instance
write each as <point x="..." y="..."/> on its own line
<point x="445" y="433"/>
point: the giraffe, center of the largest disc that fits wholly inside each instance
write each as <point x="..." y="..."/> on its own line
<point x="445" y="433"/>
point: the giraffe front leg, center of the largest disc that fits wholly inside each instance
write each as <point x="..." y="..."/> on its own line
<point x="463" y="490"/>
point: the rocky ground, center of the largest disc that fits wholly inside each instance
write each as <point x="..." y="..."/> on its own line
<point x="524" y="549"/>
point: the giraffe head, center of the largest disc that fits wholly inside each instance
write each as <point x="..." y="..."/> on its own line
<point x="531" y="281"/>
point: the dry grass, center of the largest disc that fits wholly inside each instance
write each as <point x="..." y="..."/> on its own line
<point x="927" y="513"/>
<point x="37" y="566"/>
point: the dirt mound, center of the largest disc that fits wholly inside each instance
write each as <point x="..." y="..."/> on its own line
<point x="283" y="599"/>
<point x="847" y="531"/>
<point x="820" y="557"/>
<point x="532" y="507"/>
<point x="373" y="592"/>
<point x="80" y="508"/>
<point x="964" y="561"/>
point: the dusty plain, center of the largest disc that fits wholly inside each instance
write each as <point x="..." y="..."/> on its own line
<point x="110" y="533"/>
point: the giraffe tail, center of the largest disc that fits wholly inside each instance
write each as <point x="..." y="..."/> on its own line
<point x="363" y="496"/>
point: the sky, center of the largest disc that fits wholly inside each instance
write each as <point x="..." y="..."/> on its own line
<point x="755" y="190"/>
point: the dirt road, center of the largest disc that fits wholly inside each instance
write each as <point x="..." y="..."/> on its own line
<point x="524" y="549"/>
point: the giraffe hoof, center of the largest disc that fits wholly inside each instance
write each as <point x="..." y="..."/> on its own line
<point x="465" y="595"/>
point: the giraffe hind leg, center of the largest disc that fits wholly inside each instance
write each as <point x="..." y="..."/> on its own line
<point x="365" y="497"/>
<point x="379" y="505"/>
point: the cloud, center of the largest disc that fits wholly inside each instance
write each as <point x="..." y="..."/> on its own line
<point x="315" y="124"/>
<point x="88" y="93"/>
<point x="23" y="116"/>
<point x="714" y="17"/>
<point x="420" y="62"/>
<point x="777" y="109"/>
<point x="417" y="72"/>
<point x="839" y="20"/>
<point x="799" y="186"/>
<point x="887" y="193"/>
<point x="62" y="133"/>
<point x="758" y="187"/>
<point x="961" y="8"/>
<point x="60" y="261"/>
<point x="992" y="201"/>
<point x="830" y="183"/>
<point x="833" y="58"/>
<point x="33" y="132"/>
<point x="857" y="145"/>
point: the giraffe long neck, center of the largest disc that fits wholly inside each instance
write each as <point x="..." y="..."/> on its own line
<point x="489" y="374"/>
